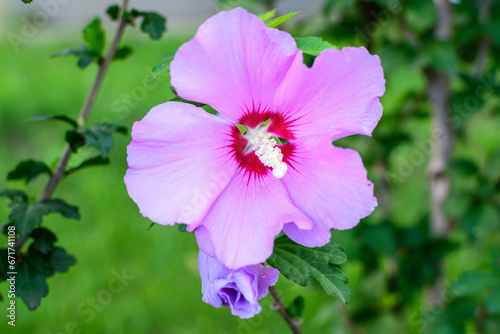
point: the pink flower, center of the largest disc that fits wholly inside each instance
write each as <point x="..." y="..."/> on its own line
<point x="238" y="289"/>
<point x="239" y="191"/>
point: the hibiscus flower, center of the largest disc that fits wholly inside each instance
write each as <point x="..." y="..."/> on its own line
<point x="239" y="189"/>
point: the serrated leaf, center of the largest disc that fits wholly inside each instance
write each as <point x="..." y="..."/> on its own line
<point x="29" y="170"/>
<point x="31" y="286"/>
<point x="58" y="205"/>
<point x="46" y="117"/>
<point x="100" y="137"/>
<point x="268" y="15"/>
<point x="93" y="35"/>
<point x="15" y="195"/>
<point x="162" y="66"/>
<point x="96" y="161"/>
<point x="26" y="216"/>
<point x="313" y="45"/>
<point x="280" y="20"/>
<point x="153" y="24"/>
<point x="122" y="53"/>
<point x="113" y="12"/>
<point x="60" y="260"/>
<point x="43" y="240"/>
<point x="298" y="263"/>
<point x="296" y="308"/>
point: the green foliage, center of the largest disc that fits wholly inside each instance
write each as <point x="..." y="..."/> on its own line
<point x="15" y="195"/>
<point x="113" y="12"/>
<point x="41" y="261"/>
<point x="46" y="117"/>
<point x="282" y="19"/>
<point x="268" y="15"/>
<point x="153" y="24"/>
<point x="27" y="1"/>
<point x="296" y="307"/>
<point x="26" y="216"/>
<point x="313" y="45"/>
<point x="29" y="170"/>
<point x="95" y="161"/>
<point x="162" y="66"/>
<point x="94" y="36"/>
<point x="98" y="136"/>
<point x="122" y="53"/>
<point x="298" y="263"/>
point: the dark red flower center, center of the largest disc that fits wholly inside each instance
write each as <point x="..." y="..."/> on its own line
<point x="279" y="126"/>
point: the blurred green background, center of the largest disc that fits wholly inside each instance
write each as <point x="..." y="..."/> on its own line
<point x="403" y="278"/>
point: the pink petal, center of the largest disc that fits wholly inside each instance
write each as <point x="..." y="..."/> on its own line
<point x="338" y="96"/>
<point x="246" y="217"/>
<point x="178" y="163"/>
<point x="330" y="186"/>
<point x="234" y="63"/>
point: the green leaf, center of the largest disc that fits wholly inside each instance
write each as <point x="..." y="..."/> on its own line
<point x="31" y="285"/>
<point x="96" y="161"/>
<point x="14" y="195"/>
<point x="313" y="45"/>
<point x="60" y="260"/>
<point x="58" y="205"/>
<point x="268" y="15"/>
<point x="279" y="20"/>
<point x="473" y="283"/>
<point x="113" y="12"/>
<point x="28" y="170"/>
<point x="74" y="139"/>
<point x="94" y="36"/>
<point x="100" y="137"/>
<point x="44" y="240"/>
<point x="162" y="66"/>
<point x="46" y="117"/>
<point x="122" y="53"/>
<point x="86" y="58"/>
<point x="27" y="1"/>
<point x="26" y="216"/>
<point x="298" y="263"/>
<point x="71" y="51"/>
<point x="462" y="168"/>
<point x="296" y="308"/>
<point x="182" y="227"/>
<point x="492" y="301"/>
<point x="153" y="24"/>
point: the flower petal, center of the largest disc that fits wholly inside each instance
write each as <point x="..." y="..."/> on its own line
<point x="338" y="96"/>
<point x="234" y="63"/>
<point x="330" y="186"/>
<point x="246" y="217"/>
<point x="178" y="163"/>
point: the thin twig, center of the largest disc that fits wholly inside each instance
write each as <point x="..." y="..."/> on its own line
<point x="292" y="323"/>
<point x="87" y="107"/>
<point x="85" y="111"/>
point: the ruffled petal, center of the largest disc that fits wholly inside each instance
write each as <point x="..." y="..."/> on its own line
<point x="338" y="96"/>
<point x="234" y="63"/>
<point x="246" y="217"/>
<point x="329" y="184"/>
<point x="178" y="163"/>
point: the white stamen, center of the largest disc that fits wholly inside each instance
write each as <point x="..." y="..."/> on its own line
<point x="270" y="155"/>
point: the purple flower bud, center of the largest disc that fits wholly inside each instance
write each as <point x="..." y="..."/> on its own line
<point x="238" y="289"/>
